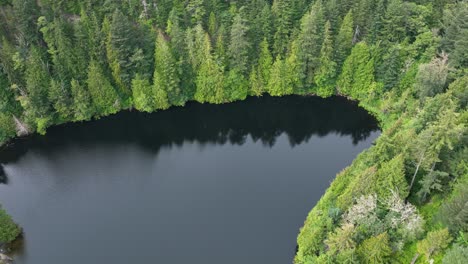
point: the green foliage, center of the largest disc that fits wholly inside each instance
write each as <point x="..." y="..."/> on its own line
<point x="103" y="94"/>
<point x="454" y="213"/>
<point x="456" y="255"/>
<point x="166" y="76"/>
<point x="142" y="94"/>
<point x="9" y="231"/>
<point x="325" y="78"/>
<point x="82" y="102"/>
<point x="278" y="84"/>
<point x="434" y="242"/>
<point x="375" y="249"/>
<point x="358" y="72"/>
<point x="66" y="61"/>
<point x="391" y="176"/>
<point x="7" y="127"/>
<point x="431" y="77"/>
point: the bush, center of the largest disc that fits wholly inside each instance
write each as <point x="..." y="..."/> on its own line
<point x="9" y="231"/>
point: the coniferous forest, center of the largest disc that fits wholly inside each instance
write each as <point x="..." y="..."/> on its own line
<point x="404" y="200"/>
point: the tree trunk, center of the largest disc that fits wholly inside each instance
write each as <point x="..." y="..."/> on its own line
<point x="415" y="258"/>
<point x="416" y="172"/>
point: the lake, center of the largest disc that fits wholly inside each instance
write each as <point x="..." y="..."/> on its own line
<point x="200" y="184"/>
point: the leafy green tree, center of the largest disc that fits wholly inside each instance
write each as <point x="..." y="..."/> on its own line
<point x="435" y="241"/>
<point x="105" y="98"/>
<point x="325" y="78"/>
<point x="375" y="249"/>
<point x="9" y="231"/>
<point x="82" y="102"/>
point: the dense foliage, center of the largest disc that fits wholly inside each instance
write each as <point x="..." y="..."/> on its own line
<point x="405" y="61"/>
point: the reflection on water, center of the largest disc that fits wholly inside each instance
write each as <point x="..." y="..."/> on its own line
<point x="264" y="119"/>
<point x="200" y="184"/>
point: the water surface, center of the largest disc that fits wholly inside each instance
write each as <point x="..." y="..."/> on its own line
<point x="200" y="184"/>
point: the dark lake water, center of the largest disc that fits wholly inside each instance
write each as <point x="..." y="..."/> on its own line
<point x="201" y="184"/>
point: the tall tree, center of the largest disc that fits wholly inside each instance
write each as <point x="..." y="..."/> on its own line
<point x="166" y="75"/>
<point x="326" y="73"/>
<point x="310" y="42"/>
<point x="82" y="103"/>
<point x="104" y="96"/>
<point x="239" y="45"/>
<point x="210" y="77"/>
<point x="344" y="39"/>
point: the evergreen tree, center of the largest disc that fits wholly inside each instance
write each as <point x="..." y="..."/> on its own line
<point x="310" y="42"/>
<point x="283" y="11"/>
<point x="390" y="177"/>
<point x="344" y="39"/>
<point x="35" y="99"/>
<point x="210" y="78"/>
<point x="166" y="72"/>
<point x="278" y="84"/>
<point x="105" y="98"/>
<point x="375" y="249"/>
<point x="59" y="96"/>
<point x="82" y="103"/>
<point x="142" y="94"/>
<point x="358" y="72"/>
<point x="325" y="78"/>
<point x="239" y="45"/>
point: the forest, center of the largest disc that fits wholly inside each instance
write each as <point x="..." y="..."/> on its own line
<point x="404" y="200"/>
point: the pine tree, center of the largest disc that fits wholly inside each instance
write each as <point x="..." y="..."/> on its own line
<point x="344" y="39"/>
<point x="357" y="76"/>
<point x="239" y="45"/>
<point x="375" y="249"/>
<point x="105" y="98"/>
<point x="326" y="73"/>
<point x="391" y="177"/>
<point x="166" y="72"/>
<point x="310" y="42"/>
<point x="142" y="94"/>
<point x="35" y="99"/>
<point x="82" y="103"/>
<point x="59" y="96"/>
<point x="260" y="74"/>
<point x="278" y="84"/>
<point x="196" y="10"/>
<point x="210" y="78"/>
<point x="120" y="48"/>
<point x="283" y="12"/>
